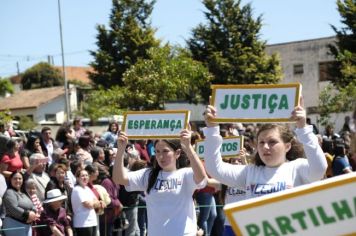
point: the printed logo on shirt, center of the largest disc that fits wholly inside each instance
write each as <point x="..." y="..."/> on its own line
<point x="235" y="191"/>
<point x="261" y="189"/>
<point x="167" y="185"/>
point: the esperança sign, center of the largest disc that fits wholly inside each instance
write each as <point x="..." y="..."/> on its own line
<point x="325" y="208"/>
<point x="155" y="124"/>
<point x="255" y="103"/>
<point x="230" y="147"/>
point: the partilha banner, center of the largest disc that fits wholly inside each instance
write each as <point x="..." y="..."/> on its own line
<point x="327" y="207"/>
<point x="155" y="124"/>
<point x="255" y="103"/>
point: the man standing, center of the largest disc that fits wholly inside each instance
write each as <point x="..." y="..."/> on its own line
<point x="47" y="143"/>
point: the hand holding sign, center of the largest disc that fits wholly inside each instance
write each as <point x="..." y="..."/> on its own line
<point x="122" y="141"/>
<point x="209" y="114"/>
<point x="185" y="139"/>
<point x="299" y="114"/>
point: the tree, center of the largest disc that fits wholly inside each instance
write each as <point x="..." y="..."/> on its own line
<point x="128" y="38"/>
<point x="5" y="87"/>
<point x="169" y="75"/>
<point x="228" y="45"/>
<point x="41" y="75"/>
<point x="340" y="96"/>
<point x="344" y="70"/>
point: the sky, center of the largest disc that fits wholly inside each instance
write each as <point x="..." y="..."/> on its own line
<point x="29" y="29"/>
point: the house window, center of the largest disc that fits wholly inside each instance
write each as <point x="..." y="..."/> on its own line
<point x="50" y="117"/>
<point x="324" y="68"/>
<point x="298" y="69"/>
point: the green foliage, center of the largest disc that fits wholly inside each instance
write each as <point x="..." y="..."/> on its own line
<point x="228" y="45"/>
<point x="26" y="123"/>
<point x="169" y="75"/>
<point x="332" y="100"/>
<point x="41" y="75"/>
<point x="103" y="102"/>
<point x="5" y="117"/>
<point x="344" y="71"/>
<point x="128" y="38"/>
<point x="5" y="87"/>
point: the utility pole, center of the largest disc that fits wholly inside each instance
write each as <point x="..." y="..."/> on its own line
<point x="63" y="64"/>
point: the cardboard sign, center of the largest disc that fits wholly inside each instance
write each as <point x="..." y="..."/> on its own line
<point x="255" y="103"/>
<point x="326" y="207"/>
<point x="230" y="147"/>
<point x="155" y="124"/>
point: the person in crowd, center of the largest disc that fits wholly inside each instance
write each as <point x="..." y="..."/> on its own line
<point x="83" y="151"/>
<point x="30" y="187"/>
<point x="98" y="155"/>
<point x="11" y="160"/>
<point x="315" y="129"/>
<point x="75" y="165"/>
<point x="48" y="144"/>
<point x="110" y="136"/>
<point x="54" y="216"/>
<point x="78" y="128"/>
<point x="170" y="207"/>
<point x="346" y="127"/>
<point x="275" y="168"/>
<point x="340" y="164"/>
<point x="37" y="172"/>
<point x="3" y="187"/>
<point x="65" y="139"/>
<point x="84" y="203"/>
<point x="141" y="147"/>
<point x="33" y="145"/>
<point x="58" y="181"/>
<point x="3" y="130"/>
<point x="113" y="209"/>
<point x="330" y="132"/>
<point x="20" y="211"/>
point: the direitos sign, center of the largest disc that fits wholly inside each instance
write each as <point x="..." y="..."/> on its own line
<point x="230" y="147"/>
<point x="155" y="124"/>
<point x="327" y="207"/>
<point x="255" y="103"/>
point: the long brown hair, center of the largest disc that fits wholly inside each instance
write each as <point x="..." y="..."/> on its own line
<point x="296" y="150"/>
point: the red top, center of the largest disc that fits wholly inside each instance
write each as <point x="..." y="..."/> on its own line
<point x="14" y="162"/>
<point x="143" y="152"/>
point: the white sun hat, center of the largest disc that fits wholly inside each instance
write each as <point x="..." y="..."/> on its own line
<point x="54" y="195"/>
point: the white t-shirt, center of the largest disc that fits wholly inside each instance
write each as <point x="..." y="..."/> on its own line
<point x="233" y="194"/>
<point x="170" y="206"/>
<point x="261" y="180"/>
<point x="82" y="216"/>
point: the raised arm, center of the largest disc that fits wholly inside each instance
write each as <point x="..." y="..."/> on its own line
<point x="119" y="174"/>
<point x="196" y="164"/>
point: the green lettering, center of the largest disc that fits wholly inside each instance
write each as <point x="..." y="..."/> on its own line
<point x="324" y="217"/>
<point x="147" y="124"/>
<point x="179" y="124"/>
<point x="234" y="146"/>
<point x="284" y="225"/>
<point x="268" y="229"/>
<point x="342" y="210"/>
<point x="252" y="229"/>
<point x="172" y="125"/>
<point x="313" y="217"/>
<point x="271" y="102"/>
<point x="130" y="124"/>
<point x="245" y="101"/>
<point x="201" y="149"/>
<point x="136" y="123"/>
<point x="223" y="147"/>
<point x="283" y="104"/>
<point x="142" y="123"/>
<point x="256" y="97"/>
<point x="166" y="124"/>
<point x="153" y="124"/>
<point x="226" y="100"/>
<point x="235" y="101"/>
<point x="264" y="101"/>
<point x="160" y="124"/>
<point x="299" y="216"/>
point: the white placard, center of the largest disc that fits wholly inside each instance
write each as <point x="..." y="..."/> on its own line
<point x="326" y="207"/>
<point x="155" y="124"/>
<point x="255" y="103"/>
<point x="230" y="147"/>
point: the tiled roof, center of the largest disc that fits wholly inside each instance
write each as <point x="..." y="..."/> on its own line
<point x="30" y="98"/>
<point x="72" y="73"/>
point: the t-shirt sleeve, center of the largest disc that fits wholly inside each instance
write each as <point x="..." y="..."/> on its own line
<point x="138" y="180"/>
<point x="5" y="159"/>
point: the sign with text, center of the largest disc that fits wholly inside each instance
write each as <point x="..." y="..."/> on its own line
<point x="327" y="207"/>
<point x="255" y="103"/>
<point x="155" y="124"/>
<point x="230" y="147"/>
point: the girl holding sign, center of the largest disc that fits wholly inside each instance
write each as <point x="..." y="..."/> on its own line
<point x="275" y="169"/>
<point x="169" y="189"/>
